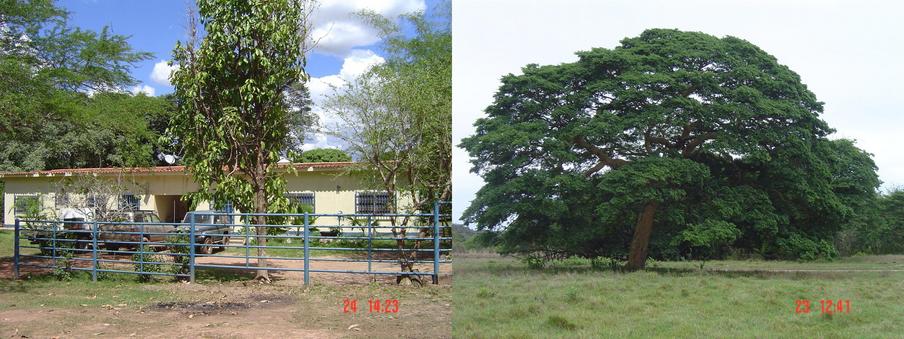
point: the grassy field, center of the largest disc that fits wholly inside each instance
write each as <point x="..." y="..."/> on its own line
<point x="501" y="297"/>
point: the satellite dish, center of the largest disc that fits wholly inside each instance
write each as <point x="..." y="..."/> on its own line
<point x="169" y="158"/>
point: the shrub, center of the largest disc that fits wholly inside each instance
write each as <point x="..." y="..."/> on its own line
<point x="140" y="263"/>
<point x="799" y="247"/>
<point x="535" y="261"/>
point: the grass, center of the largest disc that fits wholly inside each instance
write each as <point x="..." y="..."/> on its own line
<point x="6" y="243"/>
<point x="47" y="292"/>
<point x="7" y="248"/>
<point x="501" y="297"/>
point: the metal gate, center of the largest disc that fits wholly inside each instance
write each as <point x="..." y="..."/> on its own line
<point x="414" y="244"/>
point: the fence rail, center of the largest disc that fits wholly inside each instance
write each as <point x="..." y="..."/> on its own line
<point x="204" y="242"/>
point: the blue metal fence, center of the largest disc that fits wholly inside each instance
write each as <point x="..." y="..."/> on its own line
<point x="179" y="250"/>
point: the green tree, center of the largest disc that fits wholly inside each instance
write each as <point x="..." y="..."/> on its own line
<point x="302" y="119"/>
<point x="888" y="237"/>
<point x="233" y="115"/>
<point x="398" y="117"/>
<point x="47" y="70"/>
<point x="710" y="139"/>
<point x="323" y="155"/>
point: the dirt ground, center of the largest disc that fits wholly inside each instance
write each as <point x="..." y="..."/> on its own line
<point x="241" y="307"/>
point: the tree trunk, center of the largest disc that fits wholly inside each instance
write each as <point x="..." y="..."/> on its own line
<point x="260" y="206"/>
<point x="637" y="257"/>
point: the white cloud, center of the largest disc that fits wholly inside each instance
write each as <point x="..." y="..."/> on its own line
<point x="147" y="90"/>
<point x="162" y="72"/>
<point x="355" y="63"/>
<point x="320" y="140"/>
<point x="338" y="30"/>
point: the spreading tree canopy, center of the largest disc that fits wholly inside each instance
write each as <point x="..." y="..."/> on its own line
<point x="323" y="155"/>
<point x="675" y="143"/>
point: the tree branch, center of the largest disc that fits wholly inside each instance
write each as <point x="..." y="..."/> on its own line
<point x="604" y="158"/>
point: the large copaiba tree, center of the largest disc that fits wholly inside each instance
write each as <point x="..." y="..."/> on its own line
<point x="675" y="143"/>
<point x="234" y="117"/>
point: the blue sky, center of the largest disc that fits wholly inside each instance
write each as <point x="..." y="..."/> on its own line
<point x="346" y="46"/>
<point x="155" y="26"/>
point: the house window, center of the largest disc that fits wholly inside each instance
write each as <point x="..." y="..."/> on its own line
<point x="302" y="199"/>
<point x="129" y="202"/>
<point x="25" y="203"/>
<point x="61" y="199"/>
<point x="372" y="203"/>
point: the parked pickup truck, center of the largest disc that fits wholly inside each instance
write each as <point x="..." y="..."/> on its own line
<point x="146" y="228"/>
<point x="209" y="230"/>
<point x="74" y="231"/>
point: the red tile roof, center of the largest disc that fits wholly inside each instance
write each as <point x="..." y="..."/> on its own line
<point x="156" y="170"/>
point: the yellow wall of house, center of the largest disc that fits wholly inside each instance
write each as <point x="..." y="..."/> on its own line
<point x="334" y="191"/>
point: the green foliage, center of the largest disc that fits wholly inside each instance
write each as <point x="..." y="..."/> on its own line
<point x="323" y="155"/>
<point x="180" y="262"/>
<point x="891" y="208"/>
<point x="49" y="121"/>
<point x="724" y="140"/>
<point x="604" y="263"/>
<point x="233" y="115"/>
<point x="879" y="228"/>
<point x="140" y="264"/>
<point x="62" y="268"/>
<point x="301" y="120"/>
<point x="709" y="236"/>
<point x="535" y="261"/>
<point x="398" y="116"/>
<point x="797" y="246"/>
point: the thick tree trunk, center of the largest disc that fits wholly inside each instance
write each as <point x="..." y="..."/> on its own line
<point x="639" y="245"/>
<point x="260" y="206"/>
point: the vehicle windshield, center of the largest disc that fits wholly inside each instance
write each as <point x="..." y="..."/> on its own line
<point x="146" y="217"/>
<point x="199" y="219"/>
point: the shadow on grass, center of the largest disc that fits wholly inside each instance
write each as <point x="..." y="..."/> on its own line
<point x="770" y="273"/>
<point x="509" y="267"/>
<point x="225" y="274"/>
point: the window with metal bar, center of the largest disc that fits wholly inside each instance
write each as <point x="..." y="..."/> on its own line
<point x="372" y="203"/>
<point x="25" y="203"/>
<point x="302" y="198"/>
<point x="130" y="202"/>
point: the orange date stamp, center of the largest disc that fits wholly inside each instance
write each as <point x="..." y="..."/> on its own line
<point x="826" y="306"/>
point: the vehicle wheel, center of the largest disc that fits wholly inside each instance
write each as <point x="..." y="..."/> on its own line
<point x="223" y="248"/>
<point x="207" y="249"/>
